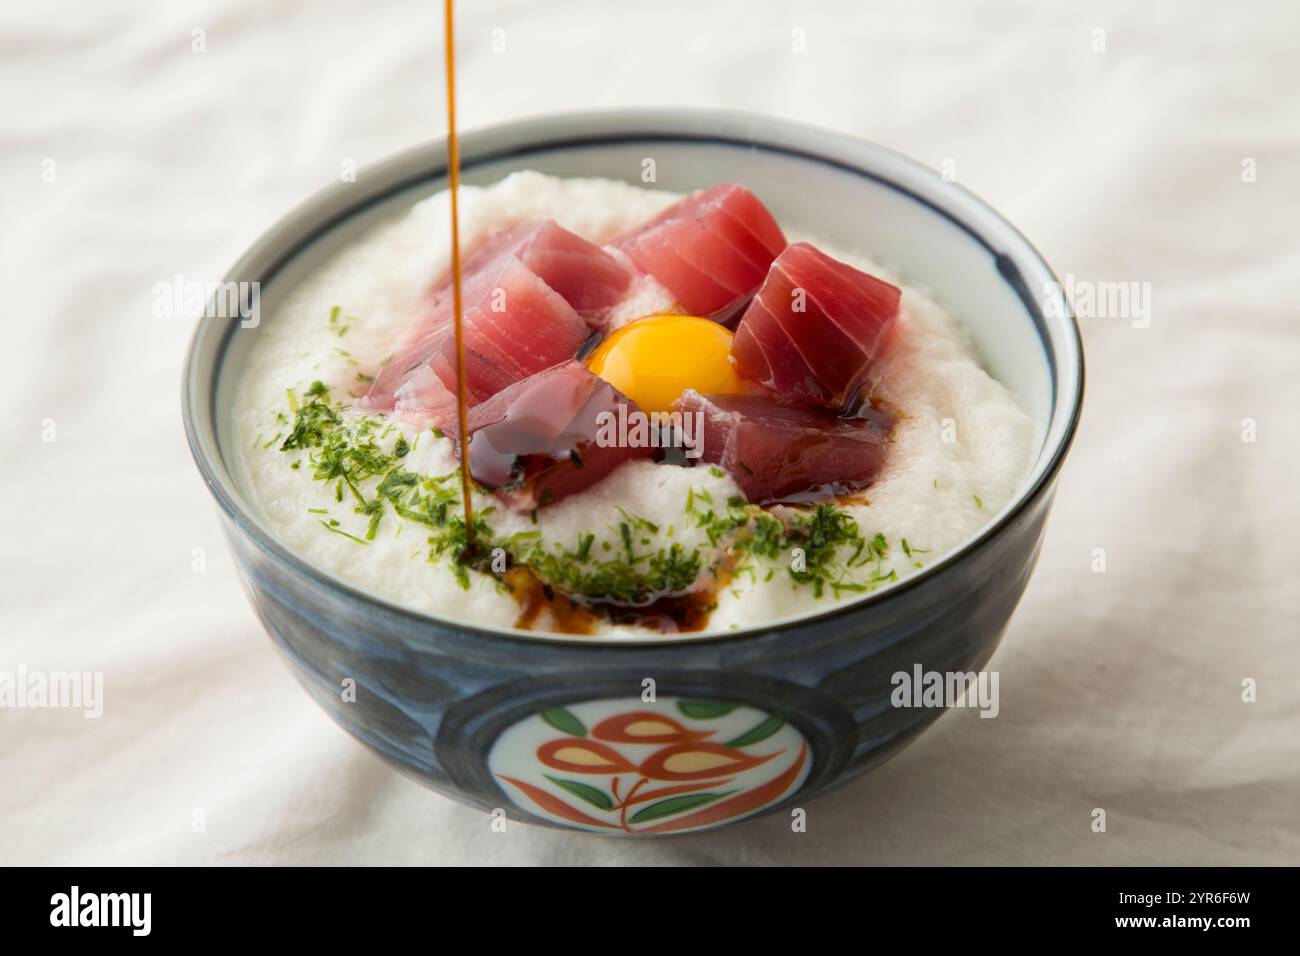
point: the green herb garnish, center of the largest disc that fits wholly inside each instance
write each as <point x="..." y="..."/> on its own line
<point x="339" y="324"/>
<point x="634" y="563"/>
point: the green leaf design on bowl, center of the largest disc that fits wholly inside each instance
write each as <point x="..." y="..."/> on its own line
<point x="705" y="709"/>
<point x="758" y="732"/>
<point x="673" y="805"/>
<point x="564" y="721"/>
<point x="585" y="791"/>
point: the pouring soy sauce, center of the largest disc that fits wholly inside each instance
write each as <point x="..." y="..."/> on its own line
<point x="458" y="319"/>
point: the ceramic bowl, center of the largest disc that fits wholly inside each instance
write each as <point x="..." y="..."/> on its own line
<point x="676" y="733"/>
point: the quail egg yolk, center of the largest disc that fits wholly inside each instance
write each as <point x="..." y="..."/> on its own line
<point x="653" y="360"/>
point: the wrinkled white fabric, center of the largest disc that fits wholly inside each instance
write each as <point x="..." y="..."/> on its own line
<point x="126" y="158"/>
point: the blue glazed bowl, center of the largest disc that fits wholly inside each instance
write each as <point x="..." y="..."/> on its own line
<point x="674" y="733"/>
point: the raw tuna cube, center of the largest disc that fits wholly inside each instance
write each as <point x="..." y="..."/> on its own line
<point x="535" y="442"/>
<point x="586" y="276"/>
<point x="423" y="400"/>
<point x="815" y="328"/>
<point x="531" y="294"/>
<point x="711" y="249"/>
<point x="781" y="452"/>
<point x="535" y="329"/>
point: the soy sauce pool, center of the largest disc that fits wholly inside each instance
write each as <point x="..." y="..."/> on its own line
<point x="541" y="606"/>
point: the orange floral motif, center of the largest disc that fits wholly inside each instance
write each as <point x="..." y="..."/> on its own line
<point x="645" y="727"/>
<point x="699" y="761"/>
<point x="557" y="806"/>
<point x="698" y="772"/>
<point x="737" y="806"/>
<point x="582" y="756"/>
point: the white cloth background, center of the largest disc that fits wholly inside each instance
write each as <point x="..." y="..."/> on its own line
<point x="1120" y="690"/>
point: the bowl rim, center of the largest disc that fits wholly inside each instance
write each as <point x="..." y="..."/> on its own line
<point x="334" y="204"/>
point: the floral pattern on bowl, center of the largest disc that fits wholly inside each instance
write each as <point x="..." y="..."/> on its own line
<point x="627" y="767"/>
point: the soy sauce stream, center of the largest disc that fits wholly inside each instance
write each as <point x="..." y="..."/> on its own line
<point x="453" y="171"/>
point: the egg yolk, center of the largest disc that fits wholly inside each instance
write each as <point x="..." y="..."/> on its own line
<point x="653" y="360"/>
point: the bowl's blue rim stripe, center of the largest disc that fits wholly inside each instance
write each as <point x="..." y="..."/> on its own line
<point x="1006" y="268"/>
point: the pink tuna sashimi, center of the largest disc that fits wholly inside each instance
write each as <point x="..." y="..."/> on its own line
<point x="781" y="452"/>
<point x="535" y="330"/>
<point x="711" y="249"/>
<point x="815" y="328"/>
<point x="423" y="400"/>
<point x="536" y="441"/>
<point x="531" y="295"/>
<point x="586" y="276"/>
<point x="424" y="337"/>
<point x="589" y="278"/>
